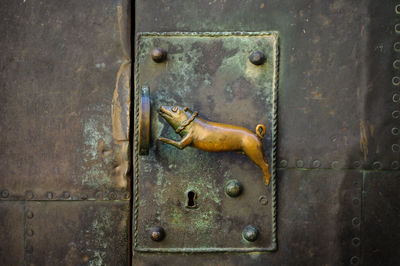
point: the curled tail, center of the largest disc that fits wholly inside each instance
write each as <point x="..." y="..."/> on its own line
<point x="261" y="133"/>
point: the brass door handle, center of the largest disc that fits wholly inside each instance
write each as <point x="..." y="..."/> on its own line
<point x="215" y="137"/>
<point x="144" y="121"/>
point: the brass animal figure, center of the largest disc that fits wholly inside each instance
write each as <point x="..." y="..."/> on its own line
<point x="215" y="137"/>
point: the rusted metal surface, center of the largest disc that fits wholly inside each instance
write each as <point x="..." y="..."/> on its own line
<point x="62" y="67"/>
<point x="184" y="191"/>
<point x="12" y="233"/>
<point x="380" y="220"/>
<point x="64" y="125"/>
<point x="315" y="224"/>
<point x="76" y="233"/>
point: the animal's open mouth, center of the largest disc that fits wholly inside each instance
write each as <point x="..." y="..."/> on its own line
<point x="163" y="113"/>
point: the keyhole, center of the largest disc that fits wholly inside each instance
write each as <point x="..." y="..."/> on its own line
<point x="191" y="200"/>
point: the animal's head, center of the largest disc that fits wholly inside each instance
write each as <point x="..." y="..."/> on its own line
<point x="175" y="115"/>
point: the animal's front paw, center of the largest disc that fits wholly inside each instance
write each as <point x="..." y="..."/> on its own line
<point x="165" y="140"/>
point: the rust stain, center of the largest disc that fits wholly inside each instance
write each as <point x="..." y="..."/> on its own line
<point x="363" y="139"/>
<point x="120" y="29"/>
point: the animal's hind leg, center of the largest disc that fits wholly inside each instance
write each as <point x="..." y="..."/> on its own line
<point x="257" y="156"/>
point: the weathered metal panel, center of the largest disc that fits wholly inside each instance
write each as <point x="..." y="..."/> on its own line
<point x="211" y="74"/>
<point x="77" y="233"/>
<point x="12" y="233"/>
<point x="381" y="214"/>
<point x="63" y="67"/>
<point x="315" y="224"/>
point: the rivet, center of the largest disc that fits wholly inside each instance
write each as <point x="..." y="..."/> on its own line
<point x="396" y="98"/>
<point x="395" y="147"/>
<point x="356" y="164"/>
<point x="257" y="58"/>
<point x="263" y="200"/>
<point x="354" y="260"/>
<point x="299" y="164"/>
<point x="396" y="81"/>
<point x="158" y="55"/>
<point x="112" y="195"/>
<point x="356" y="201"/>
<point x="127" y="195"/>
<point x="283" y="163"/>
<point x="84" y="196"/>
<point x="29" y="214"/>
<point x="356" y="241"/>
<point x="396" y="114"/>
<point x="396" y="64"/>
<point x="29" y="195"/>
<point x="29" y="249"/>
<point x="355" y="221"/>
<point x="157" y="233"/>
<point x="395" y="165"/>
<point x="250" y="233"/>
<point x="397" y="28"/>
<point x="335" y="164"/>
<point x="49" y="195"/>
<point x="397" y="9"/>
<point x="66" y="195"/>
<point x="377" y="165"/>
<point x="4" y="193"/>
<point x="316" y="163"/>
<point x="233" y="188"/>
<point x="395" y="131"/>
<point x="29" y="232"/>
<point x="396" y="46"/>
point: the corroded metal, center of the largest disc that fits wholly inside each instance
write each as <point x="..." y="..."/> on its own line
<point x="184" y="190"/>
<point x="215" y="137"/>
<point x="158" y="55"/>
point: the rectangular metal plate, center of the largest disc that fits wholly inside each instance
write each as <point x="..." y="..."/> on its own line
<point x="210" y="73"/>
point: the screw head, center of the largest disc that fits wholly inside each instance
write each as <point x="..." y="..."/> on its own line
<point x="158" y="55"/>
<point x="66" y="195"/>
<point x="263" y="200"/>
<point x="233" y="188"/>
<point x="250" y="233"/>
<point x="49" y="195"/>
<point x="4" y="193"/>
<point x="29" y="195"/>
<point x="29" y="214"/>
<point x="157" y="233"/>
<point x="257" y="58"/>
<point x="84" y="196"/>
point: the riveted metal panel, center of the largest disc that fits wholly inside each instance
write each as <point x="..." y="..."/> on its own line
<point x="315" y="225"/>
<point x="210" y="73"/>
<point x="12" y="233"/>
<point x="77" y="233"/>
<point x="64" y="102"/>
<point x="381" y="213"/>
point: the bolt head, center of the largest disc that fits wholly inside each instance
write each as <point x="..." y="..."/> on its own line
<point x="157" y="233"/>
<point x="250" y="233"/>
<point x="29" y="214"/>
<point x="257" y="58"/>
<point x="158" y="55"/>
<point x="4" y="193"/>
<point x="233" y="188"/>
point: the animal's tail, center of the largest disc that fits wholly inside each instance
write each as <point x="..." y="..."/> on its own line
<point x="261" y="133"/>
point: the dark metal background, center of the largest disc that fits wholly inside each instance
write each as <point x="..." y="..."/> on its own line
<point x="335" y="124"/>
<point x="58" y="69"/>
<point x="64" y="145"/>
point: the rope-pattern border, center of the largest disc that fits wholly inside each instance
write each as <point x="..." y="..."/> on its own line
<point x="136" y="147"/>
<point x="273" y="184"/>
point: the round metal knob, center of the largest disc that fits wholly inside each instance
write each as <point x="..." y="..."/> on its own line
<point x="233" y="188"/>
<point x="158" y="55"/>
<point x="250" y="233"/>
<point x="257" y="58"/>
<point x="157" y="233"/>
